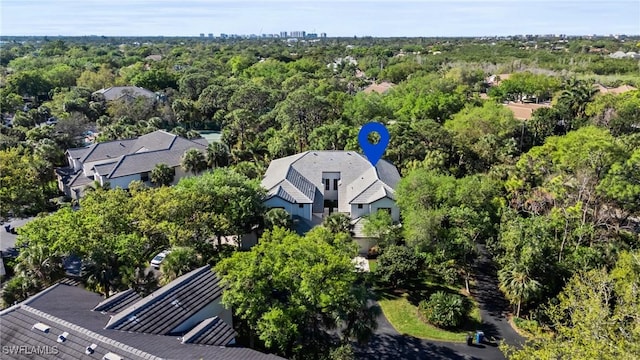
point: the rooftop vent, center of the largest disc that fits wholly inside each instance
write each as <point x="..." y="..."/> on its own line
<point x="111" y="356"/>
<point x="176" y="303"/>
<point x="91" y="349"/>
<point x="42" y="327"/>
<point x="63" y="337"/>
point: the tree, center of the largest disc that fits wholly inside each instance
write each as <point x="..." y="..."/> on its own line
<point x="38" y="264"/>
<point x="444" y="309"/>
<point x="178" y="262"/>
<point x="622" y="183"/>
<point x="595" y="316"/>
<point x="193" y="161"/>
<point x="484" y="135"/>
<point x="399" y="266"/>
<point x="61" y="75"/>
<point x="217" y="155"/>
<point x="618" y="113"/>
<point x="17" y="289"/>
<point x="162" y="175"/>
<point x="141" y="280"/>
<point x="338" y="223"/>
<point x="192" y="85"/>
<point x="155" y="80"/>
<point x="277" y="217"/>
<point x="101" y="79"/>
<point x="293" y="292"/>
<point x="518" y="285"/>
<point x="301" y="112"/>
<point x="22" y="191"/>
<point x="31" y="83"/>
<point x="576" y="96"/>
<point x="445" y="217"/>
<point x="379" y="225"/>
<point x="220" y="203"/>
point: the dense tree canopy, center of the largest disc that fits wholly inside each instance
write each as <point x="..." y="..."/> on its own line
<point x="295" y="291"/>
<point x="554" y="198"/>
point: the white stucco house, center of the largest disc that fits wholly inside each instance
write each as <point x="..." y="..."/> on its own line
<point x="118" y="163"/>
<point x="312" y="184"/>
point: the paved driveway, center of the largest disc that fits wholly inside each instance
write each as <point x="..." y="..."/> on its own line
<point x="7" y="239"/>
<point x="387" y="343"/>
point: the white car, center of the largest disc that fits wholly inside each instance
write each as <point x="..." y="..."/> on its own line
<point x="158" y="259"/>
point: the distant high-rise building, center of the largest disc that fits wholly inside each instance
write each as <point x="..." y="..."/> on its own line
<point x="323" y="35"/>
<point x="201" y="34"/>
<point x="283" y="34"/>
<point x="298" y="34"/>
<point x="312" y="36"/>
<point x="210" y="35"/>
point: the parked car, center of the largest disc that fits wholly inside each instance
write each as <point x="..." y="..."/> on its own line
<point x="158" y="259"/>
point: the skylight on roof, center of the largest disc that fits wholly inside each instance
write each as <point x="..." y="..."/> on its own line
<point x="111" y="356"/>
<point x="42" y="327"/>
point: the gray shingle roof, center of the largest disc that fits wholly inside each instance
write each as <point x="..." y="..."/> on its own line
<point x="118" y="301"/>
<point x="211" y="331"/>
<point x="107" y="150"/>
<point x="376" y="191"/>
<point x="304" y="171"/>
<point x="105" y="168"/>
<point x="68" y="308"/>
<point x="134" y="156"/>
<point x="171" y="305"/>
<point x="18" y="330"/>
<point x="116" y="92"/>
<point x="79" y="180"/>
<point x="77" y="153"/>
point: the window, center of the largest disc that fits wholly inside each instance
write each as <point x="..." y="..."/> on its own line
<point x="326" y="184"/>
<point x="359" y="206"/>
<point x="300" y="206"/>
<point x="144" y="176"/>
<point x="335" y="184"/>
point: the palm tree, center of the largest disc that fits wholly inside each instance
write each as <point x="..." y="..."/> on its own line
<point x="338" y="223"/>
<point x="277" y="217"/>
<point x="577" y="95"/>
<point x="141" y="280"/>
<point x="162" y="175"/>
<point x="217" y="155"/>
<point x="39" y="265"/>
<point x="178" y="262"/>
<point x="518" y="285"/>
<point x="103" y="272"/>
<point x="193" y="161"/>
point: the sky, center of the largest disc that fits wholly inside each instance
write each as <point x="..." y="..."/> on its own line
<point x="334" y="17"/>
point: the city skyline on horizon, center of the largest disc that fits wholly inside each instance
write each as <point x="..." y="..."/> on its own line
<point x="406" y="18"/>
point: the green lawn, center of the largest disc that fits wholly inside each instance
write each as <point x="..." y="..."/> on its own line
<point x="373" y="264"/>
<point x="403" y="315"/>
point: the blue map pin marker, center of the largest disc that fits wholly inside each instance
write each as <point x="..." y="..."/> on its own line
<point x="373" y="152"/>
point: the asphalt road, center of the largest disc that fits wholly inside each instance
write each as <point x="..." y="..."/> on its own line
<point x="7" y="239"/>
<point x="387" y="343"/>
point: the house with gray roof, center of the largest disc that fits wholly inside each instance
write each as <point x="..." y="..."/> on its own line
<point x="182" y="320"/>
<point x="312" y="184"/>
<point x="127" y="93"/>
<point x="118" y="163"/>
